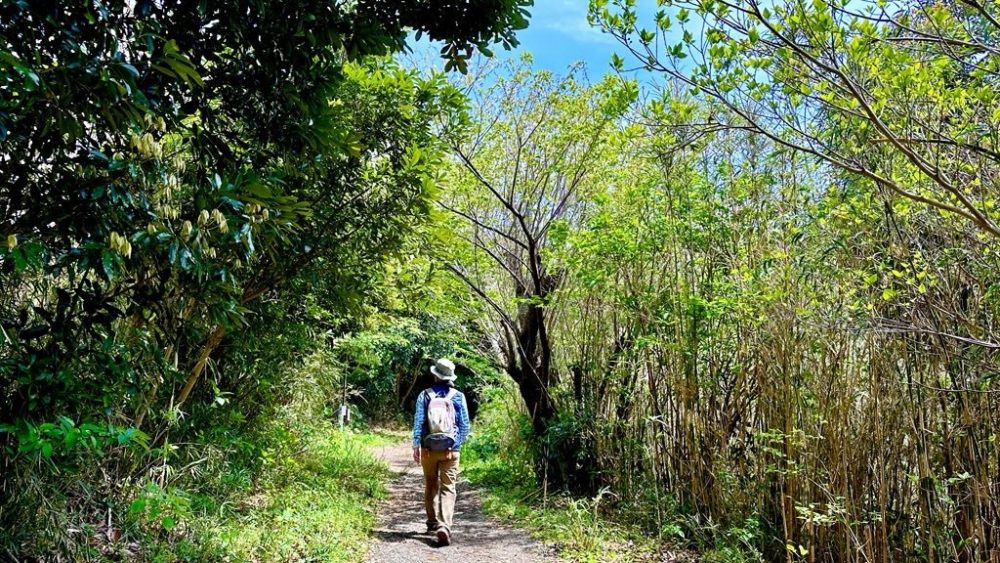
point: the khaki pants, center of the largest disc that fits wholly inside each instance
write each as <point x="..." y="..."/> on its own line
<point x="440" y="478"/>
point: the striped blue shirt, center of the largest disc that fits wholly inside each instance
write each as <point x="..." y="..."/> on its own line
<point x="420" y="429"/>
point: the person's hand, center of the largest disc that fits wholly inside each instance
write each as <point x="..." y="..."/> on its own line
<point x="416" y="455"/>
<point x="452" y="454"/>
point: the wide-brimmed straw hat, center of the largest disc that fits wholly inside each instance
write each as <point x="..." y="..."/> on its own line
<point x="444" y="370"/>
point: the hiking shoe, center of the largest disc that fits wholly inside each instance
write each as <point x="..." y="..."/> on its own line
<point x="431" y="528"/>
<point x="443" y="536"/>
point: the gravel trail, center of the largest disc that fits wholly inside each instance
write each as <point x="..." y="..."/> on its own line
<point x="477" y="538"/>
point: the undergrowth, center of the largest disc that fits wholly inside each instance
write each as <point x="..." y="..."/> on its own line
<point x="499" y="460"/>
<point x="281" y="484"/>
<point x="316" y="507"/>
<point x="307" y="495"/>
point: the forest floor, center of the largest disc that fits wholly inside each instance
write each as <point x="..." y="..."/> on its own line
<point x="400" y="532"/>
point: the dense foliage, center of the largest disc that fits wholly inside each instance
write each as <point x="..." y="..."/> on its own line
<point x="193" y="196"/>
<point x="763" y="310"/>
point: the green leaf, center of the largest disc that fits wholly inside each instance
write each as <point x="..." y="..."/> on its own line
<point x="108" y="264"/>
<point x="131" y="70"/>
<point x="617" y="62"/>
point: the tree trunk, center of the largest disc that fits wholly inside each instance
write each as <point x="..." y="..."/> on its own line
<point x="214" y="339"/>
<point x="531" y="369"/>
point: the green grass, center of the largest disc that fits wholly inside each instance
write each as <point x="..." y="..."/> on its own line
<point x="312" y="505"/>
<point x="583" y="530"/>
<point x="576" y="527"/>
<point x="498" y="460"/>
<point x="375" y="437"/>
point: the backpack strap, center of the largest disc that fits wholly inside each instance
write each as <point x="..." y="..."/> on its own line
<point x="451" y="393"/>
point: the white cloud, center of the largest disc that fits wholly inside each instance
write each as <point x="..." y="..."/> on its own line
<point x="568" y="17"/>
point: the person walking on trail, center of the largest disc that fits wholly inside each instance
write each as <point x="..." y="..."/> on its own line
<point x="440" y="425"/>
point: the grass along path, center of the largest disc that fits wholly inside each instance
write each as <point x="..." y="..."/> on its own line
<point x="497" y="461"/>
<point x="575" y="527"/>
<point x="317" y="505"/>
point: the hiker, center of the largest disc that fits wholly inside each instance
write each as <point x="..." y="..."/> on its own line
<point x="440" y="425"/>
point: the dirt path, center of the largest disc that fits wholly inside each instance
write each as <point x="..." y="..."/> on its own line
<point x="477" y="538"/>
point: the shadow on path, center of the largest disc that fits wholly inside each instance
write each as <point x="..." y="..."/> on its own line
<point x="400" y="535"/>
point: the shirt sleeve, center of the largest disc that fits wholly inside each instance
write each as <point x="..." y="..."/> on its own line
<point x="464" y="425"/>
<point x="418" y="420"/>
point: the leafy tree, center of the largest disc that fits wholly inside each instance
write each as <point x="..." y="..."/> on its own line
<point x="171" y="169"/>
<point x="756" y="352"/>
<point x="534" y="146"/>
<point x="900" y="93"/>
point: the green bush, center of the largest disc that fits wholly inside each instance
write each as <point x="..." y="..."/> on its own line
<point x="386" y="365"/>
<point x="292" y="487"/>
<point x="316" y="505"/>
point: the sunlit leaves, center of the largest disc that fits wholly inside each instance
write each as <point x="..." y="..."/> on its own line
<point x="176" y="65"/>
<point x="162" y="173"/>
<point x="865" y="87"/>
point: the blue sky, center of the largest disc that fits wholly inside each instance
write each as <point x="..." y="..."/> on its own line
<point x="558" y="36"/>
